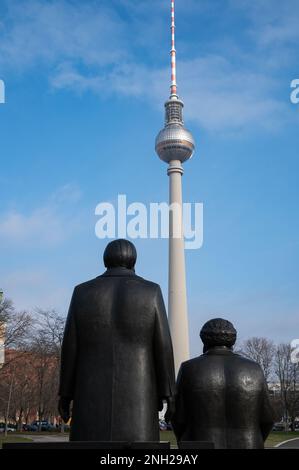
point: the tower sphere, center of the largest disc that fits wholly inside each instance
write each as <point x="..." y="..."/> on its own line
<point x="174" y="142"/>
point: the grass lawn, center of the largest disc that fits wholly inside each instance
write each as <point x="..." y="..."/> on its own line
<point x="168" y="436"/>
<point x="12" y="438"/>
<point x="273" y="439"/>
<point x="277" y="437"/>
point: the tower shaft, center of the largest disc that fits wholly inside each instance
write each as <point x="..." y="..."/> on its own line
<point x="175" y="145"/>
<point x="177" y="295"/>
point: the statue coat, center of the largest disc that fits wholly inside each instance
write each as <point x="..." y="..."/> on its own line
<point x="222" y="398"/>
<point x="117" y="358"/>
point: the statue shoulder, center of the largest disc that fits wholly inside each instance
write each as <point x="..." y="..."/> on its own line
<point x="250" y="365"/>
<point x="247" y="360"/>
<point x="85" y="285"/>
<point x="191" y="364"/>
<point x="149" y="284"/>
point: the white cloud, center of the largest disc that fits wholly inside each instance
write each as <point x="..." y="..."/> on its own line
<point x="273" y="23"/>
<point x="45" y="225"/>
<point x="31" y="288"/>
<point x="36" y="31"/>
<point x="40" y="225"/>
<point x="88" y="46"/>
<point x="224" y="98"/>
<point x="68" y="193"/>
<point x="218" y="96"/>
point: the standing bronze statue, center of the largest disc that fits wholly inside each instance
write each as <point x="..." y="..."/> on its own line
<point x="221" y="396"/>
<point x="117" y="359"/>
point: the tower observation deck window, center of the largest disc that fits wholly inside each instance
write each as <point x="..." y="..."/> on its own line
<point x="174" y="113"/>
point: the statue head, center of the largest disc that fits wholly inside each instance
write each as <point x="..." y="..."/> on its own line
<point x="218" y="332"/>
<point x="120" y="253"/>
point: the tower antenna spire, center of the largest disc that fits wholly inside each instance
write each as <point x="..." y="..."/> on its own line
<point x="173" y="87"/>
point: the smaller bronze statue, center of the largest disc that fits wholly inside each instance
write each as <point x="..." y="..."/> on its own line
<point x="222" y="397"/>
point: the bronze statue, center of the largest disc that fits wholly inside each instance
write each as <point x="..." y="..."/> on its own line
<point x="117" y="360"/>
<point x="221" y="396"/>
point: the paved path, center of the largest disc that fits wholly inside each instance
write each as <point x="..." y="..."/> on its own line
<point x="289" y="444"/>
<point x="46" y="438"/>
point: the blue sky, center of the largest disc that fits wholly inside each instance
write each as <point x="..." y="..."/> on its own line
<point x="85" y="87"/>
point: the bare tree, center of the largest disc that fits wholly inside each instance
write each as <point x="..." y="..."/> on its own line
<point x="23" y="401"/>
<point x="30" y="376"/>
<point x="46" y="344"/>
<point x="15" y="326"/>
<point x="6" y="309"/>
<point x="262" y="351"/>
<point x="52" y="325"/>
<point x="288" y="376"/>
<point x="41" y="362"/>
<point x="14" y="330"/>
<point x="17" y="330"/>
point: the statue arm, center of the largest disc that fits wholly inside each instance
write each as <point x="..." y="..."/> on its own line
<point x="266" y="419"/>
<point x="69" y="354"/>
<point x="179" y="418"/>
<point x="164" y="362"/>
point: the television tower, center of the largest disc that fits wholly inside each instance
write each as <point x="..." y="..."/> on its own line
<point x="175" y="145"/>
